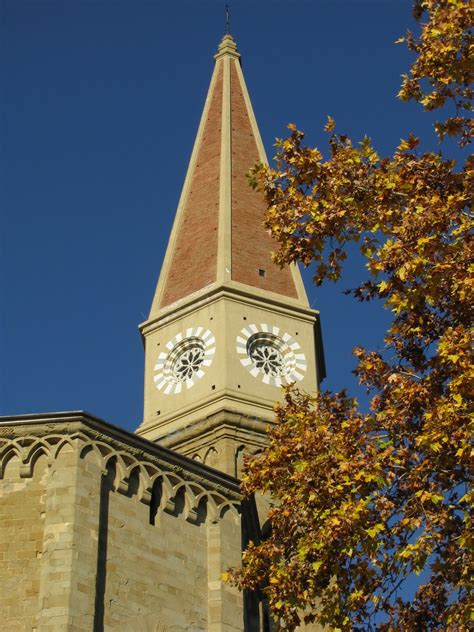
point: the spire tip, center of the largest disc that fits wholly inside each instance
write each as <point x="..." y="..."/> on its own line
<point x="227" y="46"/>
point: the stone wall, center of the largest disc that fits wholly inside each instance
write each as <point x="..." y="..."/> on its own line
<point x="164" y="567"/>
<point x="103" y="530"/>
<point x="22" y="505"/>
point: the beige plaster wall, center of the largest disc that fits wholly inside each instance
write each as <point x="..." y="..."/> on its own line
<point x="159" y="407"/>
<point x="226" y="384"/>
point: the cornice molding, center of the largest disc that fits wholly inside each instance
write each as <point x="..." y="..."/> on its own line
<point x="231" y="291"/>
<point x="228" y="423"/>
<point x="30" y="436"/>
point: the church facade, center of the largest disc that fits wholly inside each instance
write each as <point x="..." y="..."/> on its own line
<point x="102" y="529"/>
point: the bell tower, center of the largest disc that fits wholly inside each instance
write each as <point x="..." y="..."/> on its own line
<point x="227" y="328"/>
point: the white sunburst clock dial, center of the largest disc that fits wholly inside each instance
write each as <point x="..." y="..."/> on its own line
<point x="184" y="362"/>
<point x="271" y="354"/>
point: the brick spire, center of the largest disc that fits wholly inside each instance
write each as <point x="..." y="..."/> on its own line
<point x="218" y="238"/>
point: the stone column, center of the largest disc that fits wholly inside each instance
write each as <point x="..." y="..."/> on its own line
<point x="225" y="603"/>
<point x="69" y="557"/>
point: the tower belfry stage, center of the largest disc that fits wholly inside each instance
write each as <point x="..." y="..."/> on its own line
<point x="227" y="327"/>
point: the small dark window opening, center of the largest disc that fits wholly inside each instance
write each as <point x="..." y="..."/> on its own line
<point x="261" y="272"/>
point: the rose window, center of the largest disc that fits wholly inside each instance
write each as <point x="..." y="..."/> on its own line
<point x="188" y="362"/>
<point x="185" y="360"/>
<point x="271" y="355"/>
<point x="267" y="358"/>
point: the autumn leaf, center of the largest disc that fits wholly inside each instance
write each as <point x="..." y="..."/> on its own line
<point x="330" y="125"/>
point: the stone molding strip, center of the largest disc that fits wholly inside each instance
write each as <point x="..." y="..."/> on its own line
<point x="231" y="290"/>
<point x="227" y="420"/>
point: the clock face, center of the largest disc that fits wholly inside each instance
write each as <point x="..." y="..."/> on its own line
<point x="270" y="354"/>
<point x="185" y="360"/>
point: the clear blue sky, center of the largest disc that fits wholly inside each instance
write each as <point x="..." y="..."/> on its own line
<point x="99" y="107"/>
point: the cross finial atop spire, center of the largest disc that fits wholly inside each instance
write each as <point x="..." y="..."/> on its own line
<point x="227" y="19"/>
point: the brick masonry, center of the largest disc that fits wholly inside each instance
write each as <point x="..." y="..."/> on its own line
<point x="251" y="243"/>
<point x="194" y="260"/>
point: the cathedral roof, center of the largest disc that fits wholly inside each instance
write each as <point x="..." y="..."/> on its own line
<point x="218" y="237"/>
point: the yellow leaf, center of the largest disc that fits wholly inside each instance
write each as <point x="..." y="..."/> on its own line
<point x="330" y="125"/>
<point x="375" y="529"/>
<point x="458" y="399"/>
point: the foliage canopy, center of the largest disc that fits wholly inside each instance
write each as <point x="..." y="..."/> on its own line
<point x="365" y="500"/>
